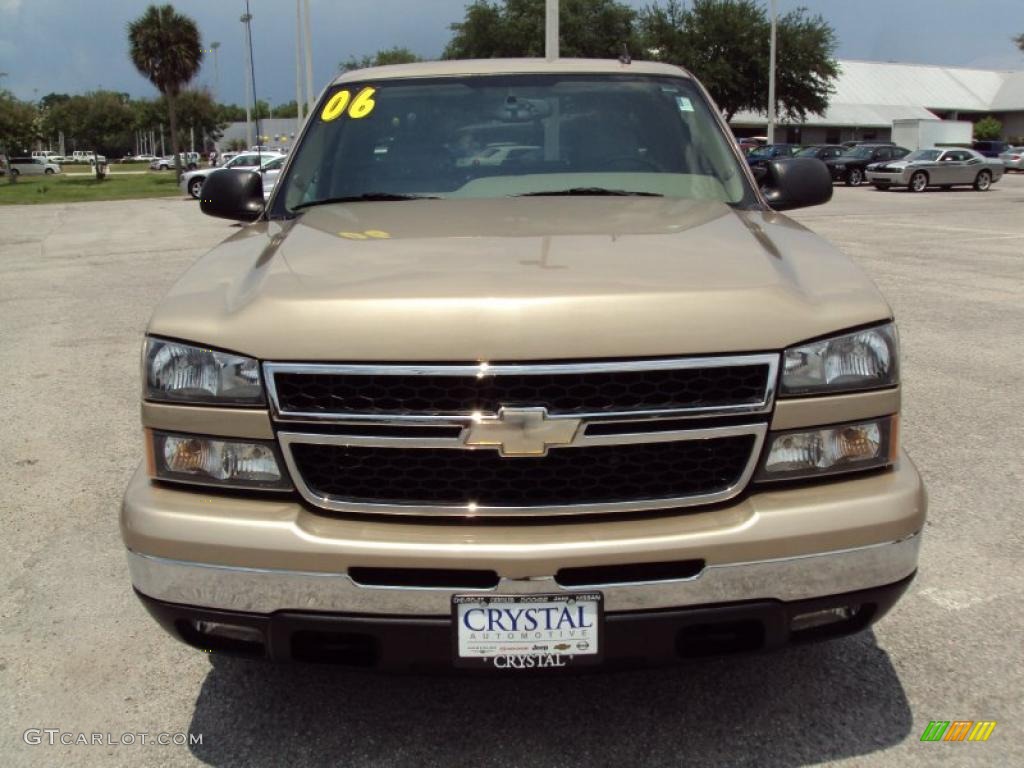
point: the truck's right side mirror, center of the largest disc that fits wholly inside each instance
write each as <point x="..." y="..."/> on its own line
<point x="233" y="194"/>
<point x="796" y="182"/>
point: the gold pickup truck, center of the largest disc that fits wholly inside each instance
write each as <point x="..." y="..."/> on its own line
<point x="519" y="367"/>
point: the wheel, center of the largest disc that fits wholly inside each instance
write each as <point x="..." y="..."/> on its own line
<point x="918" y="182"/>
<point x="983" y="181"/>
<point x="15" y="172"/>
<point x="48" y="171"/>
<point x="195" y="187"/>
<point x="854" y="177"/>
<point x="192" y="166"/>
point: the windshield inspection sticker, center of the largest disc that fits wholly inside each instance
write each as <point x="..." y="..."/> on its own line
<point x="684" y="104"/>
<point x="361" y="106"/>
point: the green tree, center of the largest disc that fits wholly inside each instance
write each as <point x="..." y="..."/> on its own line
<point x="988" y="128"/>
<point x="165" y="47"/>
<point x="395" y="55"/>
<point x="232" y="113"/>
<point x="197" y="110"/>
<point x="102" y="120"/>
<point x="725" y="43"/>
<point x="500" y="28"/>
<point x="288" y="109"/>
<point x="18" y="128"/>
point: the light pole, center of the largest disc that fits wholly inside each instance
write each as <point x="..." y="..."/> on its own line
<point x="771" y="80"/>
<point x="216" y="70"/>
<point x="299" y="100"/>
<point x="551" y="30"/>
<point x="309" y="59"/>
<point x="246" y="19"/>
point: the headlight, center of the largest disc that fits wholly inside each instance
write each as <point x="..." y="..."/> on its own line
<point x="867" y="359"/>
<point x="830" y="450"/>
<point x="180" y="373"/>
<point x="217" y="461"/>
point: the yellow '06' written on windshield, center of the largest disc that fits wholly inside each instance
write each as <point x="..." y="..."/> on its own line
<point x="342" y="103"/>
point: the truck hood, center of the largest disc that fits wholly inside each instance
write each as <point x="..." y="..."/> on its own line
<point x="535" y="278"/>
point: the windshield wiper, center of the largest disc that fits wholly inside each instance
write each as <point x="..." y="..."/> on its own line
<point x="590" y="191"/>
<point x="366" y="197"/>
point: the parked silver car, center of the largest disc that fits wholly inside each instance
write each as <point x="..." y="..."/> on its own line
<point x="270" y="173"/>
<point x="937" y="167"/>
<point x="189" y="160"/>
<point x="32" y="166"/>
<point x="1013" y="159"/>
<point x="192" y="182"/>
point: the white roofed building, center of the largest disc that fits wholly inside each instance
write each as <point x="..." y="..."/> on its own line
<point x="869" y="95"/>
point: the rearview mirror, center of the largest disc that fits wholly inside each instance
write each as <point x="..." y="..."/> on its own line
<point x="233" y="194"/>
<point x="795" y="182"/>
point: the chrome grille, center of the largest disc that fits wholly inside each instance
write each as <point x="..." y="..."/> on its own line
<point x="513" y="440"/>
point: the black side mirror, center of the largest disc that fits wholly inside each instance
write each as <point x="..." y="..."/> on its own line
<point x="793" y="182"/>
<point x="231" y="194"/>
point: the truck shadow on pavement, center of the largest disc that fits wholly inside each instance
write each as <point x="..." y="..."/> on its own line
<point x="800" y="706"/>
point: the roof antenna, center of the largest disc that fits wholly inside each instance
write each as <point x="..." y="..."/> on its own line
<point x="624" y="57"/>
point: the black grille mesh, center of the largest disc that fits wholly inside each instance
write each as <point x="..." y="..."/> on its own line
<point x="560" y="393"/>
<point x="599" y="474"/>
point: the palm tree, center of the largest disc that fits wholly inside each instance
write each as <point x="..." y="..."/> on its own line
<point x="165" y="48"/>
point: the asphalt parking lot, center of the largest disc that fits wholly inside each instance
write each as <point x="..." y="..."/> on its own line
<point x="78" y="653"/>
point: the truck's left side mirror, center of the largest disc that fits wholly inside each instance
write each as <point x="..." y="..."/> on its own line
<point x="233" y="194"/>
<point x="796" y="182"/>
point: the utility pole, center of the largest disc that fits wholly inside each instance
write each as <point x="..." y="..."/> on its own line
<point x="299" y="100"/>
<point x="551" y="30"/>
<point x="216" y="70"/>
<point x="249" y="95"/>
<point x="309" y="59"/>
<point x="771" y="79"/>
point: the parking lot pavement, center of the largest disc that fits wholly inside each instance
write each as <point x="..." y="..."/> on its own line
<point x="78" y="653"/>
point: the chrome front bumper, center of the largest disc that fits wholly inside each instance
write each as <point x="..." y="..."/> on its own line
<point x="259" y="590"/>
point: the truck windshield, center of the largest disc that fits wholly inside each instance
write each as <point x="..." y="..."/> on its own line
<point x="509" y="135"/>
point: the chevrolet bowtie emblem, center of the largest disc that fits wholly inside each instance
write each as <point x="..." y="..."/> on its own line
<point x="522" y="431"/>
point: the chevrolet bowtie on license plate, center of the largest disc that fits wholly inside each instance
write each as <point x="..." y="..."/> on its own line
<point x="527" y="631"/>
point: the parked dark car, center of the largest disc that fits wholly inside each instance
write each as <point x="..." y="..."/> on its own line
<point x="822" y="151"/>
<point x="761" y="155"/>
<point x="850" y="166"/>
<point x="990" y="148"/>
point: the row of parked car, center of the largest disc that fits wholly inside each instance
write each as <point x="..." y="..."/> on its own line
<point x="886" y="165"/>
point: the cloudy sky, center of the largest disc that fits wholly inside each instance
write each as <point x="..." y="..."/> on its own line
<point x="78" y="45"/>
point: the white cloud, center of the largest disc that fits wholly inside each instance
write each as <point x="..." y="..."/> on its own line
<point x="10" y="5"/>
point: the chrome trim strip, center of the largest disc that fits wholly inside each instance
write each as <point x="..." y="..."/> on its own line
<point x="525" y="369"/>
<point x="582" y="440"/>
<point x="267" y="590"/>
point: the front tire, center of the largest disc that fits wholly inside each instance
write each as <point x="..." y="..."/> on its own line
<point x="918" y="182"/>
<point x="983" y="182"/>
<point x="48" y="171"/>
<point x="15" y="172"/>
<point x="195" y="187"/>
<point x="854" y="177"/>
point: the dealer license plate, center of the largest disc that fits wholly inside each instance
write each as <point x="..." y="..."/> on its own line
<point x="527" y="631"/>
